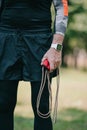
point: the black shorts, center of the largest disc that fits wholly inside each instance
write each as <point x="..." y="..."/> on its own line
<point x="21" y="52"/>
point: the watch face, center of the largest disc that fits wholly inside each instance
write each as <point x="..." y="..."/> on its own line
<point x="59" y="47"/>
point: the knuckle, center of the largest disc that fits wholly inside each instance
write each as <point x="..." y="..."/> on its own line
<point x="51" y="67"/>
<point x="56" y="60"/>
<point x="52" y="60"/>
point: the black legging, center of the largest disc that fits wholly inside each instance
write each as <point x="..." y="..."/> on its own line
<point x="8" y="96"/>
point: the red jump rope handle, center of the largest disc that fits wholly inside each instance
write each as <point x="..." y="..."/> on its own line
<point x="46" y="64"/>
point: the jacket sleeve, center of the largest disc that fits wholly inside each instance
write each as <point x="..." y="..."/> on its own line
<point x="61" y="16"/>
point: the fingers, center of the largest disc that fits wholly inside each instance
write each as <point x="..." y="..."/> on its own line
<point x="53" y="57"/>
<point x="54" y="65"/>
<point x="44" y="58"/>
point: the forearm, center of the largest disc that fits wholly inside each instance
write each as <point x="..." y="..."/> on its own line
<point x="61" y="20"/>
<point x="58" y="38"/>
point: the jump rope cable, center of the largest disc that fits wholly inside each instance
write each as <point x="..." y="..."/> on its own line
<point x="45" y="75"/>
<point x="55" y="112"/>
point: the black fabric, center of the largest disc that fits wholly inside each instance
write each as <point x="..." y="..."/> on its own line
<point x="8" y="96"/>
<point x="25" y="36"/>
<point x="27" y="13"/>
<point x="21" y="52"/>
<point x="40" y="123"/>
<point x="1" y="6"/>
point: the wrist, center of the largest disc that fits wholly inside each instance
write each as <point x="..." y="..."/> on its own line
<point x="58" y="38"/>
<point x="57" y="46"/>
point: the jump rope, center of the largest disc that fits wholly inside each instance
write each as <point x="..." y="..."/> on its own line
<point x="46" y="78"/>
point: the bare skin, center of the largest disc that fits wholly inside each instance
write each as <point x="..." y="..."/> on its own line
<point x="52" y="55"/>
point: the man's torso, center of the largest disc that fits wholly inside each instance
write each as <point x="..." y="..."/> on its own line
<point x="27" y="13"/>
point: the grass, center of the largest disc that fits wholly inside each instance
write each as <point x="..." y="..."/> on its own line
<point x="72" y="111"/>
<point x="72" y="119"/>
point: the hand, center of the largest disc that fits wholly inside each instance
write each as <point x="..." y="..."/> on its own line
<point x="53" y="57"/>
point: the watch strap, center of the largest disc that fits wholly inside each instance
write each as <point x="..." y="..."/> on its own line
<point x="57" y="46"/>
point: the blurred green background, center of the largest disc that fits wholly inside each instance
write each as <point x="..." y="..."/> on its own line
<point x="72" y="111"/>
<point x="75" y="42"/>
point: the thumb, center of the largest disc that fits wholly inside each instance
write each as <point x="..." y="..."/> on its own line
<point x="44" y="58"/>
